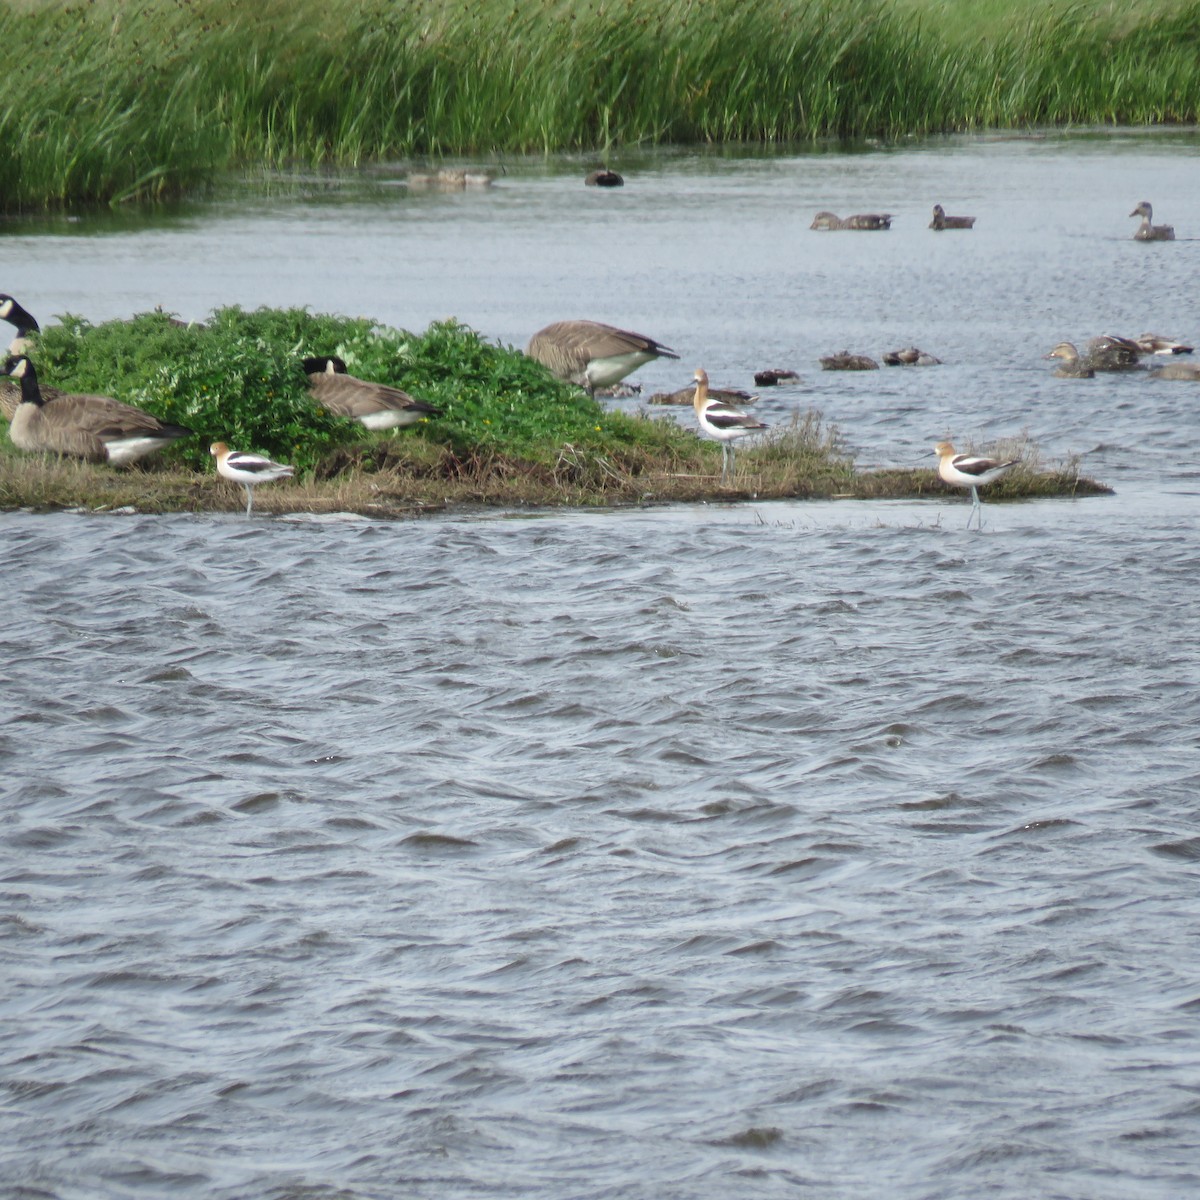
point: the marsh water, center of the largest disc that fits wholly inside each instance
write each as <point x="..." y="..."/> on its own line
<point x="792" y="849"/>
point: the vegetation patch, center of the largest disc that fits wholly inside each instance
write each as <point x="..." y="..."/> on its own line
<point x="110" y="100"/>
<point x="509" y="434"/>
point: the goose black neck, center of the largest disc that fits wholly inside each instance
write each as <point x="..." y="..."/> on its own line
<point x="30" y="392"/>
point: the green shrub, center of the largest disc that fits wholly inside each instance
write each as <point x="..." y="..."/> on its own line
<point x="238" y="379"/>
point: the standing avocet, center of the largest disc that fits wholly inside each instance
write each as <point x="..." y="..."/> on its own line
<point x="722" y="421"/>
<point x="969" y="471"/>
<point x="247" y="469"/>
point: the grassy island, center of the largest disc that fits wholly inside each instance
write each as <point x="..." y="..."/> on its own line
<point x="509" y="433"/>
<point x="110" y="100"/>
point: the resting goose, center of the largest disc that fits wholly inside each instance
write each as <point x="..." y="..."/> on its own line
<point x="94" y="428"/>
<point x="592" y="354"/>
<point x="375" y="405"/>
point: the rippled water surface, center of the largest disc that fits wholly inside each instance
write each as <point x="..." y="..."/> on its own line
<point x="769" y="850"/>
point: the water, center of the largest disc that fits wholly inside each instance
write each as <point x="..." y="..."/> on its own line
<point x="769" y="850"/>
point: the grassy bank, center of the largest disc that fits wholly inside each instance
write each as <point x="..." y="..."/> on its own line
<point x="508" y="434"/>
<point x="109" y="101"/>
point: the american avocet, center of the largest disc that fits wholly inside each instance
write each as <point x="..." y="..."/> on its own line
<point x="1155" y="343"/>
<point x="941" y="221"/>
<point x="95" y="428"/>
<point x="828" y="220"/>
<point x="603" y="177"/>
<point x="722" y="421"/>
<point x="375" y="405"/>
<point x="247" y="469"/>
<point x="592" y="354"/>
<point x="1146" y="232"/>
<point x="969" y="471"/>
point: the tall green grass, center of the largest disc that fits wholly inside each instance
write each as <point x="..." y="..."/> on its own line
<point x="110" y="100"/>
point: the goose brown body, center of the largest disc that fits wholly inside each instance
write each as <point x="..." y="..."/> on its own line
<point x="592" y="354"/>
<point x="374" y="405"/>
<point x="94" y="428"/>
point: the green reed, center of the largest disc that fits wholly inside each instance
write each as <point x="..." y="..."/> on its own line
<point x="113" y="100"/>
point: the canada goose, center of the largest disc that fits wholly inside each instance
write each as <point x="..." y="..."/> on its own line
<point x="1155" y="343"/>
<point x="1108" y="352"/>
<point x="247" y="469"/>
<point x="941" y="221"/>
<point x="591" y="354"/>
<point x="722" y="421"/>
<point x="969" y="471"/>
<point x="603" y="177"/>
<point x="23" y="320"/>
<point x="375" y="405"/>
<point x="828" y="220"/>
<point x="1146" y="232"/>
<point x="910" y="356"/>
<point x="95" y="428"/>
<point x="843" y="360"/>
<point x="10" y="396"/>
<point x="1177" y="368"/>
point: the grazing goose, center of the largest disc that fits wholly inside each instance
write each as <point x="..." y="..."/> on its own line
<point x="828" y="220"/>
<point x="603" y="177"/>
<point x="375" y="405"/>
<point x="969" y="471"/>
<point x="941" y="221"/>
<point x="1155" y="343"/>
<point x="845" y="361"/>
<point x="910" y="356"/>
<point x="1146" y="232"/>
<point x="94" y="428"/>
<point x="722" y="421"/>
<point x="247" y="469"/>
<point x="591" y="354"/>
